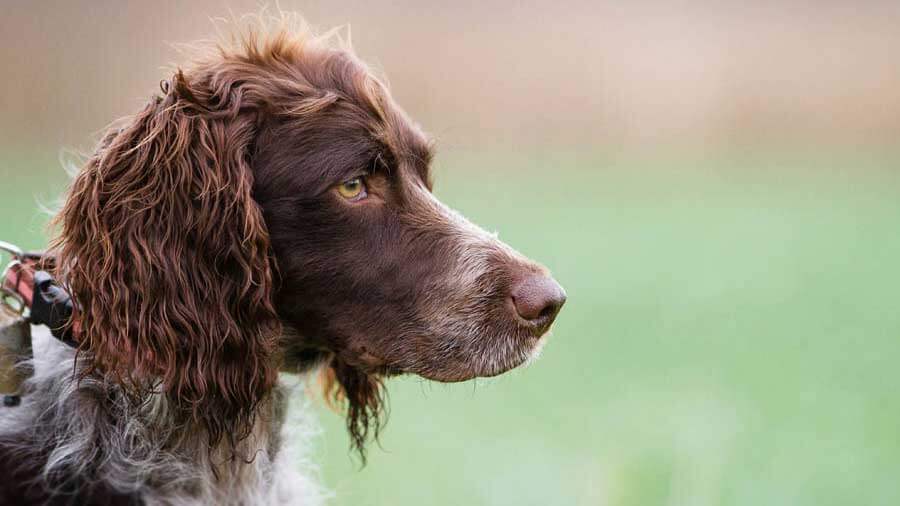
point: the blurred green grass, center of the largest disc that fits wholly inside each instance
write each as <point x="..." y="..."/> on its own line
<point x="731" y="336"/>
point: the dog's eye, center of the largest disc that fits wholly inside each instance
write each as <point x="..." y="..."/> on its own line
<point x="353" y="189"/>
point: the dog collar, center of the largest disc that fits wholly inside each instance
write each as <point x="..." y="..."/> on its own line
<point x="29" y="290"/>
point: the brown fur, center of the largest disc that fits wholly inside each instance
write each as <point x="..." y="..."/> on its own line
<point x="207" y="250"/>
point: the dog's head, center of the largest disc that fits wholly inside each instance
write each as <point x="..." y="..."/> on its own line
<point x="273" y="209"/>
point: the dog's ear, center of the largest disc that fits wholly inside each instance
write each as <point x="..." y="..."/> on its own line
<point x="361" y="394"/>
<point x="167" y="257"/>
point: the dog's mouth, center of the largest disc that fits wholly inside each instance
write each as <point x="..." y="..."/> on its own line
<point x="489" y="332"/>
<point x="498" y="365"/>
<point x="491" y="354"/>
<point x="524" y="356"/>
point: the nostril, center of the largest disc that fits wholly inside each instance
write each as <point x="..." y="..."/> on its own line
<point x="538" y="298"/>
<point x="547" y="311"/>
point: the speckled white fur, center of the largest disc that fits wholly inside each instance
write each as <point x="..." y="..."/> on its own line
<point x="145" y="454"/>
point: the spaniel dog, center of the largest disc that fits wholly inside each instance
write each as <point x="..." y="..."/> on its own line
<point x="269" y="211"/>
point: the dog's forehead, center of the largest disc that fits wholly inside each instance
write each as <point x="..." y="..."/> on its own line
<point x="401" y="138"/>
<point x="358" y="124"/>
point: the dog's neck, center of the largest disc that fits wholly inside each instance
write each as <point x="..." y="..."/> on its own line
<point x="92" y="434"/>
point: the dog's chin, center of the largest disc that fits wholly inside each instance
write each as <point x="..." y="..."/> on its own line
<point x="486" y="363"/>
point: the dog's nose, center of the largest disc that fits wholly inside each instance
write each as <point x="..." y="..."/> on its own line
<point x="538" y="298"/>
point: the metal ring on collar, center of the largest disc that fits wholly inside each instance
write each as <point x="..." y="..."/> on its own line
<point x="12" y="300"/>
<point x="12" y="249"/>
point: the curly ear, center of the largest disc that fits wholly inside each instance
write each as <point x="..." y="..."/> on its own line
<point x="167" y="257"/>
<point x="362" y="395"/>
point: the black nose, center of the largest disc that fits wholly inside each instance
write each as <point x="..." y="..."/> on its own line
<point x="538" y="298"/>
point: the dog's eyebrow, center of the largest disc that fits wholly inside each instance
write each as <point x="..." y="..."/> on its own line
<point x="383" y="160"/>
<point x="421" y="151"/>
<point x="410" y="146"/>
<point x="353" y="163"/>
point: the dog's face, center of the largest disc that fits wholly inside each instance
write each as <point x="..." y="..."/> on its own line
<point x="284" y="145"/>
<point x="375" y="269"/>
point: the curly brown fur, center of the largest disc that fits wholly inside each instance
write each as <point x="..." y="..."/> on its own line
<point x="183" y="305"/>
<point x="362" y="394"/>
<point x="208" y="245"/>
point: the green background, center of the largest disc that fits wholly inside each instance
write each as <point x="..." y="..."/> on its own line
<point x="731" y="335"/>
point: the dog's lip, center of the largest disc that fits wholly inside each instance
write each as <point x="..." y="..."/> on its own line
<point x="470" y="374"/>
<point x="534" y="346"/>
<point x="538" y="327"/>
<point x="530" y="342"/>
<point x="541" y="326"/>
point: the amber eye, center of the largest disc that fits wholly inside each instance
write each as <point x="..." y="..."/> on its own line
<point x="353" y="189"/>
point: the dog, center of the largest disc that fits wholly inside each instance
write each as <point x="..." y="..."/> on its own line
<point x="270" y="210"/>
